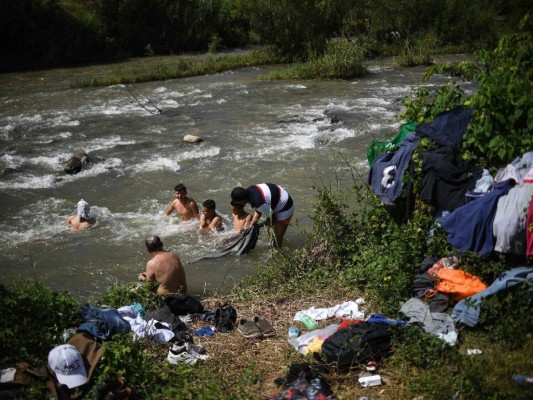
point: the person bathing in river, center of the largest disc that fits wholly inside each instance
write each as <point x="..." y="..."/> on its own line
<point x="165" y="268"/>
<point x="210" y="221"/>
<point x="186" y="207"/>
<point x="83" y="218"/>
<point x="241" y="219"/>
<point x="268" y="200"/>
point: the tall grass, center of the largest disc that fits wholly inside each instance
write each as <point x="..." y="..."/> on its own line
<point x="341" y="60"/>
<point x="414" y="52"/>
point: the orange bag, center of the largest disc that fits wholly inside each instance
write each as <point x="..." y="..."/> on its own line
<point x="458" y="282"/>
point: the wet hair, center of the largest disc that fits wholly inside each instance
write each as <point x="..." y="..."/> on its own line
<point x="154" y="243"/>
<point x="209" y="204"/>
<point x="240" y="194"/>
<point x="180" y="188"/>
<point x="236" y="204"/>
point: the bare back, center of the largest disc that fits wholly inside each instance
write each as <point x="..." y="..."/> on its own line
<point x="77" y="225"/>
<point x="241" y="221"/>
<point x="166" y="269"/>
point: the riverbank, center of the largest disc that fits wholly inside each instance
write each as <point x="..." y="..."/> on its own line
<point x="357" y="249"/>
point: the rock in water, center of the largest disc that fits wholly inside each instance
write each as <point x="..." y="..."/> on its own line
<point x="192" y="139"/>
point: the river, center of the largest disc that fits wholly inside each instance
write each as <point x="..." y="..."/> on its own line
<point x="298" y="134"/>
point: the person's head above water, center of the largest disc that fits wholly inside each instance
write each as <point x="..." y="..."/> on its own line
<point x="209" y="204"/>
<point x="180" y="188"/>
<point x="83" y="211"/>
<point x="240" y="195"/>
<point x="153" y="243"/>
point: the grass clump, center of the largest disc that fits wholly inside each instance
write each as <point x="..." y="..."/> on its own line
<point x="414" y="53"/>
<point x="341" y="60"/>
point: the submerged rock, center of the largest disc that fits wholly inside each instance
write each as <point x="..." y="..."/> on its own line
<point x="76" y="162"/>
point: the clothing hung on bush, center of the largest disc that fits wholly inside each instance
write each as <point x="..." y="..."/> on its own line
<point x="394" y="166"/>
<point x="447" y="128"/>
<point x="467" y="311"/>
<point x="447" y="178"/>
<point x="509" y="226"/>
<point x="378" y="146"/>
<point x="470" y="226"/>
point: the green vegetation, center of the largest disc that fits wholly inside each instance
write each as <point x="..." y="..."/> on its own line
<point x="372" y="252"/>
<point x="503" y="117"/>
<point x="412" y="54"/>
<point x="50" y="33"/>
<point x="341" y="60"/>
<point x="181" y="69"/>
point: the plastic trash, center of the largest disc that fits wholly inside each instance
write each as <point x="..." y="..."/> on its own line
<point x="373" y="380"/>
<point x="305" y="319"/>
<point x="294" y="332"/>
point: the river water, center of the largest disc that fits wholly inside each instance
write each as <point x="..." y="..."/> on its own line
<point x="299" y="134"/>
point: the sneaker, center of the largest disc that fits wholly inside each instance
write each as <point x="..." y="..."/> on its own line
<point x="264" y="327"/>
<point x="249" y="329"/>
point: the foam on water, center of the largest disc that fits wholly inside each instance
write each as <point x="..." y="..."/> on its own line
<point x="106" y="143"/>
<point x="156" y="163"/>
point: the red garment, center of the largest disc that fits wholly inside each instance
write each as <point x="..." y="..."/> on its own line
<point x="348" y="322"/>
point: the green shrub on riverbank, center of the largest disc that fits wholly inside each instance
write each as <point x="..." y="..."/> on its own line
<point x="341" y="60"/>
<point x="502" y="124"/>
<point x="33" y="318"/>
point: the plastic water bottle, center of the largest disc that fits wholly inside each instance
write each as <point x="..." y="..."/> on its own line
<point x="305" y="319"/>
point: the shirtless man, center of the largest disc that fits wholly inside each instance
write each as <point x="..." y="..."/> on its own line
<point x="241" y="219"/>
<point x="185" y="206"/>
<point x="83" y="219"/>
<point x="164" y="268"/>
<point x="210" y="221"/>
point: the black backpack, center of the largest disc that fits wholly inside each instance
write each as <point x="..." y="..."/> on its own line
<point x="356" y="344"/>
<point x="225" y="318"/>
<point x="183" y="305"/>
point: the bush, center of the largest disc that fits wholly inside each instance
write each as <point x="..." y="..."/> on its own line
<point x="413" y="54"/>
<point x="341" y="60"/>
<point x="34" y="320"/>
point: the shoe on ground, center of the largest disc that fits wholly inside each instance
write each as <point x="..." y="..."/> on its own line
<point x="126" y="393"/>
<point x="264" y="327"/>
<point x="249" y="329"/>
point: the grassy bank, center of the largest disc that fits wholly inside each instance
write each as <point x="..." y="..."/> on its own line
<point x="182" y="67"/>
<point x="373" y="252"/>
<point x="340" y="262"/>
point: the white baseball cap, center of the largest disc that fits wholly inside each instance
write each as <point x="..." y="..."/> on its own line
<point x="67" y="363"/>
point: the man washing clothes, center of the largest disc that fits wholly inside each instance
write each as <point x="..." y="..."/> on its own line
<point x="269" y="201"/>
<point x="165" y="268"/>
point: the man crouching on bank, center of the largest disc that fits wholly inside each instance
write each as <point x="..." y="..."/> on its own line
<point x="165" y="268"/>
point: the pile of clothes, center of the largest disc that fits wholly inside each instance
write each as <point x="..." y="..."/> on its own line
<point x="478" y="212"/>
